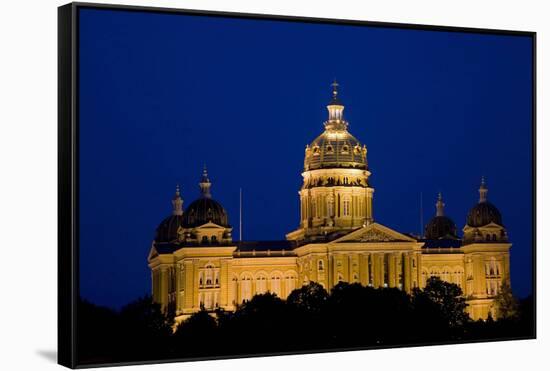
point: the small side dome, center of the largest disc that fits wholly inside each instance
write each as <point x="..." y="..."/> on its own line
<point x="440" y="226"/>
<point x="484" y="212"/>
<point x="167" y="231"/>
<point x="205" y="209"/>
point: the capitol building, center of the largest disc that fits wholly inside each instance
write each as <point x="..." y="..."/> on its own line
<point x="195" y="263"/>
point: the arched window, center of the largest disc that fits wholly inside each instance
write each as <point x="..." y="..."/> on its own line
<point x="330" y="207"/>
<point x="261" y="284"/>
<point x="209" y="274"/>
<point x="321" y="265"/>
<point x="214" y="239"/>
<point x="204" y="239"/>
<point x="276" y="285"/>
<point x="246" y="288"/>
<point x="346" y="211"/>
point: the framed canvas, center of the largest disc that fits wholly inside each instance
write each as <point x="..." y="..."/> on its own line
<point x="217" y="177"/>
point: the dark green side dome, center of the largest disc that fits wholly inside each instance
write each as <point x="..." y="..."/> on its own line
<point x="440" y="227"/>
<point x="484" y="212"/>
<point x="167" y="231"/>
<point x="205" y="209"/>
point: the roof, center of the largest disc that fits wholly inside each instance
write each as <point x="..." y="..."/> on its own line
<point x="442" y="243"/>
<point x="265" y="245"/>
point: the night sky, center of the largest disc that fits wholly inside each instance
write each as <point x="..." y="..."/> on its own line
<point x="163" y="94"/>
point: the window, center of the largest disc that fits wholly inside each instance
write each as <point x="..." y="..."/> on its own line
<point x="209" y="274"/>
<point x="204" y="239"/>
<point x="276" y="285"/>
<point x="261" y="284"/>
<point x="246" y="288"/>
<point x="330" y="150"/>
<point x="345" y="149"/>
<point x="330" y="207"/>
<point x="321" y="265"/>
<point x="346" y="210"/>
<point x="214" y="239"/>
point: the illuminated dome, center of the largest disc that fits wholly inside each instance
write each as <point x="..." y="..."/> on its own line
<point x="484" y="212"/>
<point x="205" y="209"/>
<point x="440" y="226"/>
<point x="335" y="147"/>
<point x="167" y="231"/>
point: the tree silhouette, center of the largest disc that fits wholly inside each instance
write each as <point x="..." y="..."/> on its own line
<point x="506" y="305"/>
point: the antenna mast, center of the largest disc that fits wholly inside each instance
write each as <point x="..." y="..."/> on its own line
<point x="421" y="217"/>
<point x="240" y="214"/>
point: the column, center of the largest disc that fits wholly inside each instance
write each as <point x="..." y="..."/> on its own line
<point x="225" y="283"/>
<point x="178" y="276"/>
<point x="407" y="284"/>
<point x="369" y="216"/>
<point x="189" y="285"/>
<point x="378" y="268"/>
<point x="480" y="289"/>
<point x="392" y="276"/>
<point x="506" y="268"/>
<point x="364" y="269"/>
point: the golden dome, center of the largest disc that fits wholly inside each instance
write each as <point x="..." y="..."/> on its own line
<point x="335" y="147"/>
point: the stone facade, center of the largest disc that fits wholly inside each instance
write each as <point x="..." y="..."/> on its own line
<point x="195" y="263"/>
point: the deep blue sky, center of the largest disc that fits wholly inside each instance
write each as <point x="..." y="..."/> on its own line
<point x="163" y="94"/>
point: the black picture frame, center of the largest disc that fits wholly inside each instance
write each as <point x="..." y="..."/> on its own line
<point x="68" y="155"/>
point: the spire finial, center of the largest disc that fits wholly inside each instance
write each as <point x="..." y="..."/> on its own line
<point x="334" y="88"/>
<point x="177" y="202"/>
<point x="483" y="190"/>
<point x="335" y="110"/>
<point x="440" y="205"/>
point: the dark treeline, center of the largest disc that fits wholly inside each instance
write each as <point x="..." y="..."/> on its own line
<point x="350" y="316"/>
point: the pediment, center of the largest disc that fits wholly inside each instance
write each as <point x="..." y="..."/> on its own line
<point x="210" y="225"/>
<point x="153" y="253"/>
<point x="374" y="232"/>
<point x="491" y="225"/>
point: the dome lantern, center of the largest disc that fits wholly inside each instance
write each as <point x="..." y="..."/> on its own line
<point x="483" y="191"/>
<point x="440" y="227"/>
<point x="205" y="184"/>
<point x="440" y="206"/>
<point x="335" y="111"/>
<point x="484" y="212"/>
<point x="177" y="202"/>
